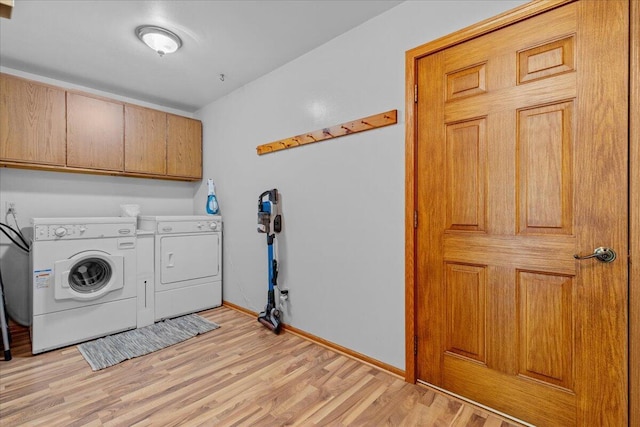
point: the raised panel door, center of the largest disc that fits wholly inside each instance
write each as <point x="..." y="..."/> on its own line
<point x="95" y="133"/>
<point x="522" y="163"/>
<point x="32" y="122"/>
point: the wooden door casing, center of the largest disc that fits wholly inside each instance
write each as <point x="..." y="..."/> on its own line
<point x="504" y="235"/>
<point x="634" y="204"/>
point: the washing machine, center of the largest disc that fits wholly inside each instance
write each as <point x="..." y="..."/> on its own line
<point x="83" y="279"/>
<point x="188" y="263"/>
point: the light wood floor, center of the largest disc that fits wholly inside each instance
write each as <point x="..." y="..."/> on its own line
<point x="240" y="374"/>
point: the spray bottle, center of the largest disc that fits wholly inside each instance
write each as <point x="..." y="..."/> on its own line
<point x="212" y="202"/>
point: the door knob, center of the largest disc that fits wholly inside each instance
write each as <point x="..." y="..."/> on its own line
<point x="602" y="254"/>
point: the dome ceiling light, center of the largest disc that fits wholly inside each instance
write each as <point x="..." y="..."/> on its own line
<point x="159" y="39"/>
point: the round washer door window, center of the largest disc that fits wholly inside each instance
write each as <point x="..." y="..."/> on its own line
<point x="90" y="275"/>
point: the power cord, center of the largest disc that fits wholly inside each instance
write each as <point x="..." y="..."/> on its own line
<point x="23" y="244"/>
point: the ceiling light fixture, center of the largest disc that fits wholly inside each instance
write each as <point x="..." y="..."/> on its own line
<point x="159" y="39"/>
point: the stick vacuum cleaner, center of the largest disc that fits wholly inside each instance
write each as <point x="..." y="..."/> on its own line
<point x="270" y="223"/>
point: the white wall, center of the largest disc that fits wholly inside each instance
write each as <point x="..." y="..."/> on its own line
<point x="342" y="246"/>
<point x="42" y="194"/>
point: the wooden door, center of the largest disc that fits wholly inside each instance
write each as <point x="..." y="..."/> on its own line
<point x="184" y="147"/>
<point x="522" y="163"/>
<point x="145" y="140"/>
<point x="95" y="133"/>
<point x="32" y="122"/>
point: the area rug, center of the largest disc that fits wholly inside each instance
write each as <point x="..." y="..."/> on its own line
<point x="111" y="350"/>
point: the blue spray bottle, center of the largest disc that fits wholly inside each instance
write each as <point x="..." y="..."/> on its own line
<point x="212" y="202"/>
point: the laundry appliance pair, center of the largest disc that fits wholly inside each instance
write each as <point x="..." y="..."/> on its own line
<point x="85" y="282"/>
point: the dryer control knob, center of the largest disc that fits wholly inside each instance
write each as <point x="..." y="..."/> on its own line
<point x="213" y="226"/>
<point x="60" y="231"/>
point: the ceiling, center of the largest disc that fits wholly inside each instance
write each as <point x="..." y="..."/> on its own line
<point x="92" y="42"/>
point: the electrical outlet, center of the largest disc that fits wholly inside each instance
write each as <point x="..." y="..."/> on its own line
<point x="10" y="207"/>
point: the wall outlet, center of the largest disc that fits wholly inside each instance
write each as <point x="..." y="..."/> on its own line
<point x="10" y="207"/>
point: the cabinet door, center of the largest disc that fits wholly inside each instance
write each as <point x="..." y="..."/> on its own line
<point x="95" y="133"/>
<point x="32" y="122"/>
<point x="145" y="140"/>
<point x="184" y="147"/>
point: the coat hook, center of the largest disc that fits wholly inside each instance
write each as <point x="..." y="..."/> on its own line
<point x="355" y="126"/>
<point x="221" y="77"/>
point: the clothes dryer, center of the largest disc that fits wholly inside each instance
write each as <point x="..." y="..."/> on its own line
<point x="83" y="279"/>
<point x="188" y="263"/>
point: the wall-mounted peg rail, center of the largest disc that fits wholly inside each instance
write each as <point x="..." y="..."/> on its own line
<point x="348" y="128"/>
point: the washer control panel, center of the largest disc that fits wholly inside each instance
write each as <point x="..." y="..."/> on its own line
<point x="82" y="231"/>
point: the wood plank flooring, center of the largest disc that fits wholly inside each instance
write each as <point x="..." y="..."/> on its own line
<point x="238" y="375"/>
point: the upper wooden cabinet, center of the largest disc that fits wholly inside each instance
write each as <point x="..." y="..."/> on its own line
<point x="50" y="128"/>
<point x="95" y="133"/>
<point x="6" y="6"/>
<point x="32" y="122"/>
<point x="184" y="147"/>
<point x="145" y="148"/>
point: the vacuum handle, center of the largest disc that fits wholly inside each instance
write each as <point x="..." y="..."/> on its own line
<point x="272" y="197"/>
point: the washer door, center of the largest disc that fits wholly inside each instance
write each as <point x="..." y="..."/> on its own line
<point x="88" y="275"/>
<point x="184" y="258"/>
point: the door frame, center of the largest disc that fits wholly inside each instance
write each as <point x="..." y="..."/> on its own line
<point x="521" y="13"/>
